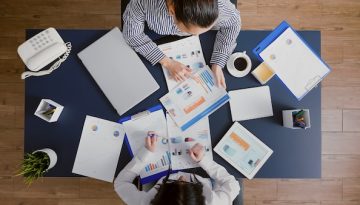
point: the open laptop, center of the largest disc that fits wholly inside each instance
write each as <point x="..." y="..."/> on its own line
<point x="118" y="71"/>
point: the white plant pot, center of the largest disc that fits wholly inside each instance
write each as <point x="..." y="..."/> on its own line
<point x="52" y="156"/>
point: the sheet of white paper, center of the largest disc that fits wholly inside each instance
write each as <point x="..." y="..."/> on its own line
<point x="243" y="150"/>
<point x="186" y="51"/>
<point x="136" y="132"/>
<point x="250" y="103"/>
<point x="180" y="142"/>
<point x="99" y="149"/>
<point x="294" y="63"/>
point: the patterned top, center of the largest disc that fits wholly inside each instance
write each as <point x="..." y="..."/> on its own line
<point x="155" y="14"/>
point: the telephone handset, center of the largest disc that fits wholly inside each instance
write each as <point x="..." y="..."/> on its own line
<point x="42" y="49"/>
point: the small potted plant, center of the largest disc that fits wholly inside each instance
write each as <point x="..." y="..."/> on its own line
<point x="36" y="164"/>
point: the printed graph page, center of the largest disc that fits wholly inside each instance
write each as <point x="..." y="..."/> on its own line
<point x="195" y="98"/>
<point x="181" y="142"/>
<point x="186" y="51"/>
<point x="136" y="132"/>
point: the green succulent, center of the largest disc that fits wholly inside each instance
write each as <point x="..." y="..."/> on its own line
<point x="34" y="166"/>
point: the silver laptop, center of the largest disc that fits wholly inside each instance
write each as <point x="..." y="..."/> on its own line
<point x="118" y="71"/>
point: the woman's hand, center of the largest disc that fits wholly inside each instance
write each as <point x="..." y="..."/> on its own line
<point x="197" y="152"/>
<point x="219" y="75"/>
<point x="150" y="141"/>
<point x="177" y="71"/>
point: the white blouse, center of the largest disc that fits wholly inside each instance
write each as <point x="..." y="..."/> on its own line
<point x="223" y="191"/>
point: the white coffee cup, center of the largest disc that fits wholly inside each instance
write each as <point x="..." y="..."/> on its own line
<point x="238" y="59"/>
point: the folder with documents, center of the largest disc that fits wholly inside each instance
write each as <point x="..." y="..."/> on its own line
<point x="292" y="60"/>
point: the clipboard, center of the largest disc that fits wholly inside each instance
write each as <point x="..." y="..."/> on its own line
<point x="146" y="113"/>
<point x="313" y="81"/>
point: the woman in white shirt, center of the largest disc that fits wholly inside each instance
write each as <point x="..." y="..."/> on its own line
<point x="179" y="188"/>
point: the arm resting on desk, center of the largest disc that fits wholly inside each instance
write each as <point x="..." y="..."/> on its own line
<point x="123" y="183"/>
<point x="226" y="186"/>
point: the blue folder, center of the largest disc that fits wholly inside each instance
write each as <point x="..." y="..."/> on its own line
<point x="273" y="36"/>
<point x="154" y="177"/>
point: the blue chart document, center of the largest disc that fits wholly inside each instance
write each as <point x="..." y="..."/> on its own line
<point x="186" y="51"/>
<point x="181" y="142"/>
<point x="136" y="128"/>
<point x="195" y="98"/>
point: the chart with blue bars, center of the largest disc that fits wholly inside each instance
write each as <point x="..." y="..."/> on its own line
<point x="164" y="161"/>
<point x="206" y="77"/>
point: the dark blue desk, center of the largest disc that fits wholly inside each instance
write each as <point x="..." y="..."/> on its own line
<point x="297" y="153"/>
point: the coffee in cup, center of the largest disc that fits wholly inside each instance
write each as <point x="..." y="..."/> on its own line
<point x="239" y="64"/>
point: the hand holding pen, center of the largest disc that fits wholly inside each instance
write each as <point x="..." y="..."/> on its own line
<point x="150" y="141"/>
<point x="197" y="152"/>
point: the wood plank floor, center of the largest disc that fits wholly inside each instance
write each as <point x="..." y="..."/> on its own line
<point x="339" y="22"/>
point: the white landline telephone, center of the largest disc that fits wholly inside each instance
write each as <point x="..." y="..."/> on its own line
<point x="42" y="49"/>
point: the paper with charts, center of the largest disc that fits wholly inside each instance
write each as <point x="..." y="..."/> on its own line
<point x="194" y="99"/>
<point x="180" y="143"/>
<point x="99" y="149"/>
<point x="243" y="150"/>
<point x="136" y="132"/>
<point x="186" y="51"/>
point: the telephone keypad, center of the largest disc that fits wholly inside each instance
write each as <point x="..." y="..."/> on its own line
<point x="41" y="40"/>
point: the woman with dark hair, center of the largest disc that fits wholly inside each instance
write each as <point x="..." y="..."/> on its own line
<point x="178" y="188"/>
<point x="182" y="18"/>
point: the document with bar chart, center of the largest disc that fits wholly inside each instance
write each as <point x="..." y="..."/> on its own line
<point x="137" y="128"/>
<point x="181" y="142"/>
<point x="186" y="51"/>
<point x="194" y="99"/>
<point x="156" y="167"/>
<point x="243" y="150"/>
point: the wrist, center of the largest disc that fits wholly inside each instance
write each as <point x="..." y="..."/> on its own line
<point x="215" y="67"/>
<point x="165" y="62"/>
<point x="205" y="161"/>
<point x="144" y="154"/>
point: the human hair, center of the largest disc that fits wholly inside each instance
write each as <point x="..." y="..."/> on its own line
<point x="202" y="13"/>
<point x="179" y="193"/>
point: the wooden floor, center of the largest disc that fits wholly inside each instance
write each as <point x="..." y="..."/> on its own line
<point x="339" y="22"/>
